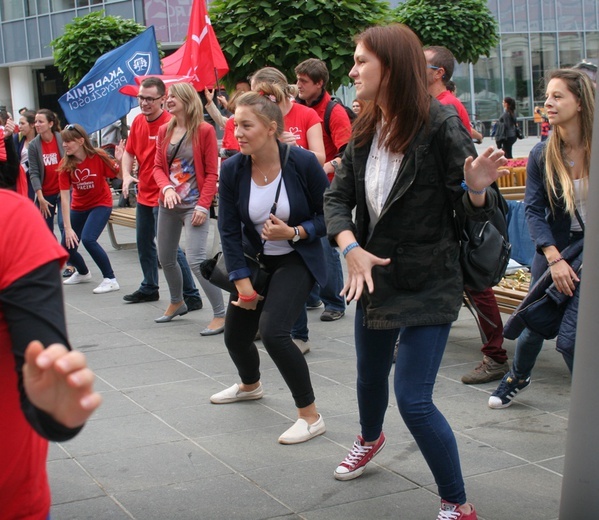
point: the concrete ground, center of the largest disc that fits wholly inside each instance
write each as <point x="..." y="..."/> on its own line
<point x="157" y="448"/>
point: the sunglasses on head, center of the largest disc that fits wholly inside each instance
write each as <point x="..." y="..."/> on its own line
<point x="73" y="127"/>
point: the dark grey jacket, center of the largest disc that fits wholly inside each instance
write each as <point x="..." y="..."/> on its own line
<point x="36" y="160"/>
<point x="423" y="283"/>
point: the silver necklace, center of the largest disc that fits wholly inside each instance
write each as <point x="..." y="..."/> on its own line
<point x="261" y="172"/>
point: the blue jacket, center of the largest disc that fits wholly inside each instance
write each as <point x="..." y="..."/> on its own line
<point x="305" y="182"/>
<point x="546" y="228"/>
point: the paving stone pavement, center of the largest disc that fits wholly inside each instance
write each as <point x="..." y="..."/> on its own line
<point x="157" y="448"/>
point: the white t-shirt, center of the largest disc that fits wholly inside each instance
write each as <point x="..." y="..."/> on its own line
<point x="382" y="167"/>
<point x="580" y="195"/>
<point x="261" y="200"/>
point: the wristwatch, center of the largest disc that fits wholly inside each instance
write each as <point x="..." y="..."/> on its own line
<point x="296" y="237"/>
<point x="335" y="164"/>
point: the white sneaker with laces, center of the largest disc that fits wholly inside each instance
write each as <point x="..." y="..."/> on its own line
<point x="76" y="278"/>
<point x="107" y="285"/>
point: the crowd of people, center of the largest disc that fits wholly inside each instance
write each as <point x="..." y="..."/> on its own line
<point x="300" y="182"/>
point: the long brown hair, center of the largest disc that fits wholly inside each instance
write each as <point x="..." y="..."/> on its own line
<point x="558" y="181"/>
<point x="404" y="88"/>
<point x="69" y="163"/>
<point x="194" y="111"/>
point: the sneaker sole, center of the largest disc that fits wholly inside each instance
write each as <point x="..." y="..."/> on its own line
<point x="357" y="472"/>
<point x="509" y="403"/>
<point x="237" y="399"/>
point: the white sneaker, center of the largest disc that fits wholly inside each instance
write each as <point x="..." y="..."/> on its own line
<point x="304" y="346"/>
<point x="107" y="285"/>
<point x="76" y="278"/>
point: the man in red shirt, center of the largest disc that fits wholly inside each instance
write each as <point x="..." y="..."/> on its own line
<point x="141" y="145"/>
<point x="312" y="78"/>
<point x="440" y="64"/>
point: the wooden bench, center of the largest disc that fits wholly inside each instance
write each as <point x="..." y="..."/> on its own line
<point x="513" y="192"/>
<point x="508" y="299"/>
<point x="121" y="217"/>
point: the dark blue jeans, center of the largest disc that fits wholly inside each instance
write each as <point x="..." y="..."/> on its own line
<point x="88" y="225"/>
<point x="329" y="293"/>
<point x="146" y="222"/>
<point x="418" y="360"/>
<point x="54" y="200"/>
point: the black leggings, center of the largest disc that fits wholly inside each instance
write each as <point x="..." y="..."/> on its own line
<point x="288" y="288"/>
<point x="506" y="146"/>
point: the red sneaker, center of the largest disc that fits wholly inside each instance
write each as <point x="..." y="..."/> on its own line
<point x="355" y="462"/>
<point x="450" y="511"/>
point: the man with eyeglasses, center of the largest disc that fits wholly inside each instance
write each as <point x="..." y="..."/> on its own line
<point x="141" y="145"/>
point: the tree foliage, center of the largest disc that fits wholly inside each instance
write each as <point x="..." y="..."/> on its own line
<point x="87" y="38"/>
<point x="466" y="27"/>
<point x="282" y="33"/>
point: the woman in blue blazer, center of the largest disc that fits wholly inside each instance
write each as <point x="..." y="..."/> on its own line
<point x="286" y="237"/>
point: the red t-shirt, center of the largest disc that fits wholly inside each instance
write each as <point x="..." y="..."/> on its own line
<point x="2" y="145"/>
<point x="142" y="144"/>
<point x="339" y="124"/>
<point x="298" y="121"/>
<point x="51" y="157"/>
<point x="25" y="244"/>
<point x="90" y="188"/>
<point x="447" y="98"/>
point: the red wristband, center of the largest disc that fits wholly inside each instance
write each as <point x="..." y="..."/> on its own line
<point x="249" y="298"/>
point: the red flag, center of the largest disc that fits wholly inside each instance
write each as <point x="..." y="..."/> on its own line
<point x="200" y="56"/>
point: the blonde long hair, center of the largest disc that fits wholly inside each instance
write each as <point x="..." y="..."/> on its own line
<point x="558" y="181"/>
<point x="194" y="111"/>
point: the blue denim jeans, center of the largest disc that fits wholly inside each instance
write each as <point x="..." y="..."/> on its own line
<point x="329" y="293"/>
<point x="54" y="200"/>
<point x="88" y="225"/>
<point x="418" y="360"/>
<point x="146" y="224"/>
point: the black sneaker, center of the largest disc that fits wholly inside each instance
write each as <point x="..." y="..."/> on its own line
<point x="140" y="297"/>
<point x="507" y="390"/>
<point x="331" y="315"/>
<point x="194" y="303"/>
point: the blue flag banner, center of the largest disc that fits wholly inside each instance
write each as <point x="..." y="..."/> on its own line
<point x="96" y="102"/>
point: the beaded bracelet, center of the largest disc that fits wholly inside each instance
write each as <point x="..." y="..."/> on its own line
<point x="466" y="188"/>
<point x="249" y="298"/>
<point x="351" y="246"/>
<point x="553" y="262"/>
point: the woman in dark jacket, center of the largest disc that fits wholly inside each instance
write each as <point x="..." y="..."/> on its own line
<point x="402" y="172"/>
<point x="286" y="236"/>
<point x="505" y="136"/>
<point x="557" y="175"/>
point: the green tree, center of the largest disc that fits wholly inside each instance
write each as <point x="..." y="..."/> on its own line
<point x="466" y="27"/>
<point x="87" y="38"/>
<point x="282" y="33"/>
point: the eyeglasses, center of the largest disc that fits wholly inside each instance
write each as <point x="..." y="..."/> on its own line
<point x="73" y="127"/>
<point x="148" y="100"/>
<point x="433" y="67"/>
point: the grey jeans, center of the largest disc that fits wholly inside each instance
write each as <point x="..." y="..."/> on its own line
<point x="170" y="224"/>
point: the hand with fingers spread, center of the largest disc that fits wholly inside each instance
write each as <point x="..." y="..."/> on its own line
<point x="59" y="382"/>
<point x="483" y="171"/>
<point x="359" y="272"/>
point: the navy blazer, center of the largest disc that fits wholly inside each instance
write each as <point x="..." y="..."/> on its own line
<point x="305" y="182"/>
<point x="546" y="228"/>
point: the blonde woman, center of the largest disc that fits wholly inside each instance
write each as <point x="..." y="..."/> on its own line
<point x="185" y="170"/>
<point x="555" y="199"/>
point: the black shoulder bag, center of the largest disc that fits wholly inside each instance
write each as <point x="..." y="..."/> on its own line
<point x="215" y="269"/>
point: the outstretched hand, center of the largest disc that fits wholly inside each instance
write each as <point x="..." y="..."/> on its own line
<point x="59" y="382"/>
<point x="483" y="171"/>
<point x="359" y="272"/>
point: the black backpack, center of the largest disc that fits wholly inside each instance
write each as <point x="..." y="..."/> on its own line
<point x="327" y="113"/>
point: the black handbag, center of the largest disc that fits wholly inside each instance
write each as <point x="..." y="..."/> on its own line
<point x="484" y="256"/>
<point x="215" y="270"/>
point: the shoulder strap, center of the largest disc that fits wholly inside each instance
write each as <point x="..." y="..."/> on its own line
<point x="327" y="116"/>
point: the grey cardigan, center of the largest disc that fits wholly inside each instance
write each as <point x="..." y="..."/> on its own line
<point x="37" y="169"/>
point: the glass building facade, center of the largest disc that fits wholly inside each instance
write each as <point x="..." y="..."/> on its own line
<point x="536" y="36"/>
